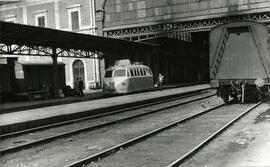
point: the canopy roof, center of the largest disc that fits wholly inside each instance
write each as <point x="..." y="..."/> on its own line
<point x="18" y="34"/>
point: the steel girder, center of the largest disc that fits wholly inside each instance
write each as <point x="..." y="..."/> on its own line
<point x="180" y="30"/>
<point x="12" y="49"/>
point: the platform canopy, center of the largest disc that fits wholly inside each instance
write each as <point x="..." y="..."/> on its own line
<point x="31" y="40"/>
<point x="18" y="39"/>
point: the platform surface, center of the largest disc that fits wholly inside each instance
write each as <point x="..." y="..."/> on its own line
<point x="24" y="105"/>
<point x="68" y="109"/>
<point x="245" y="144"/>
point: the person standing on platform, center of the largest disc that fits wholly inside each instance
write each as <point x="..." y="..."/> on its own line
<point x="160" y="81"/>
<point x="81" y="87"/>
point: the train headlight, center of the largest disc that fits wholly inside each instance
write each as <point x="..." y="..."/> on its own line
<point x="259" y="82"/>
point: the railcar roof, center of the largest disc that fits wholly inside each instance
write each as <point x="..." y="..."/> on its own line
<point x="127" y="67"/>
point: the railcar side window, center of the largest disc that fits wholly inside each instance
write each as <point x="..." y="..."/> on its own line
<point x="138" y="72"/>
<point x="141" y="72"/>
<point x="132" y="72"/>
<point x="135" y="72"/>
<point x="108" y="74"/>
<point x="144" y="72"/>
<point x="119" y="73"/>
<point x="148" y="72"/>
<point x="128" y="73"/>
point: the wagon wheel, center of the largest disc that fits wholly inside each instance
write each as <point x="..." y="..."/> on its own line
<point x="225" y="98"/>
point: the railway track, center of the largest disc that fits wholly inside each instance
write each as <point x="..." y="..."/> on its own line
<point x="32" y="137"/>
<point x="172" y="144"/>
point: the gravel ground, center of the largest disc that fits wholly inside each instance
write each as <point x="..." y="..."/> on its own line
<point x="245" y="144"/>
<point x="64" y="151"/>
<point x="169" y="145"/>
<point x="33" y="136"/>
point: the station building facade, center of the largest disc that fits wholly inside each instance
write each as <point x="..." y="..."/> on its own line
<point x="180" y="26"/>
<point x="68" y="15"/>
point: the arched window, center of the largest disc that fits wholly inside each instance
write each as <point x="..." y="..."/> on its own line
<point x="78" y="70"/>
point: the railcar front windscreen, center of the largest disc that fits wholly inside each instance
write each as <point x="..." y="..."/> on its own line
<point x="119" y="73"/>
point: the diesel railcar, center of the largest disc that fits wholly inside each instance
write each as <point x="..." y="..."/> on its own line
<point x="239" y="58"/>
<point x="125" y="77"/>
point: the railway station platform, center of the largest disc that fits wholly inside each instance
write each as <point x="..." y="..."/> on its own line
<point x="19" y="120"/>
<point x="25" y="105"/>
<point x="88" y="95"/>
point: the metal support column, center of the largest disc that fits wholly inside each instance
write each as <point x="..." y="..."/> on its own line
<point x="55" y="73"/>
<point x="1" y="80"/>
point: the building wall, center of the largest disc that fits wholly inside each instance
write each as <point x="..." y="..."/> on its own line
<point x="16" y="13"/>
<point x="57" y="14"/>
<point x="143" y="20"/>
<point x="91" y="70"/>
<point x="144" y="12"/>
<point x="83" y="6"/>
<point x="46" y="8"/>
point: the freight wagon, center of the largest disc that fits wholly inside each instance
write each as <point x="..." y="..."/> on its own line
<point x="7" y="78"/>
<point x="240" y="60"/>
<point x="28" y="79"/>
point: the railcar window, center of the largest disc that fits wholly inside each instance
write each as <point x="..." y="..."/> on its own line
<point x="144" y="72"/>
<point x="119" y="73"/>
<point x="136" y="72"/>
<point x="238" y="30"/>
<point x="148" y="72"/>
<point x="128" y="73"/>
<point x="141" y="72"/>
<point x="132" y="72"/>
<point x="108" y="74"/>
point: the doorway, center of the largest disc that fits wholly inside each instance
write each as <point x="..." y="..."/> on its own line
<point x="78" y="71"/>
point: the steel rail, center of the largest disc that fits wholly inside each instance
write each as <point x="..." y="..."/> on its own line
<point x="135" y="140"/>
<point x="77" y="131"/>
<point x="8" y="135"/>
<point x="182" y="159"/>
